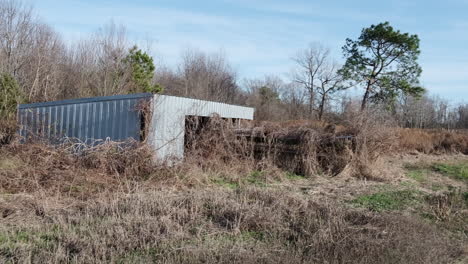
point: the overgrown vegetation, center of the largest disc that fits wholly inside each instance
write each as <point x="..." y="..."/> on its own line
<point x="110" y="203"/>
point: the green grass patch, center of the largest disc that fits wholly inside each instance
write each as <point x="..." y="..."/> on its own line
<point x="17" y="238"/>
<point x="416" y="172"/>
<point x="225" y="183"/>
<point x="408" y="184"/>
<point x="417" y="175"/>
<point x="255" y="235"/>
<point x="257" y="178"/>
<point x="294" y="176"/>
<point x="457" y="171"/>
<point x="388" y="200"/>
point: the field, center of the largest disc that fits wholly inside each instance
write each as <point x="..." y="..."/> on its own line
<point x="113" y="205"/>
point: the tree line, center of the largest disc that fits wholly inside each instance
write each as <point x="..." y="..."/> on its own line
<point x="37" y="65"/>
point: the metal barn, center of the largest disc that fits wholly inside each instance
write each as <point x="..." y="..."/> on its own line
<point x="167" y="127"/>
<point x="119" y="118"/>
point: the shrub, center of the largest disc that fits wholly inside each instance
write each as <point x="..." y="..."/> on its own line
<point x="10" y="96"/>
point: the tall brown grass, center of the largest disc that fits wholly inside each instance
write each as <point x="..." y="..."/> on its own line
<point x="433" y="141"/>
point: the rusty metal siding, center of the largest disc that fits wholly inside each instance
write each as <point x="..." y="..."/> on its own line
<point x="88" y="119"/>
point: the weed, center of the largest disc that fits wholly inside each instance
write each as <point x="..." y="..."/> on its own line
<point x="449" y="210"/>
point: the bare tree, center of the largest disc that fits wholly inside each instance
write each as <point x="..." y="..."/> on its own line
<point x="31" y="51"/>
<point x="44" y="72"/>
<point x="330" y="82"/>
<point x="101" y="62"/>
<point x="294" y="99"/>
<point x="203" y="76"/>
<point x="16" y="35"/>
<point x="264" y="95"/>
<point x="309" y="63"/>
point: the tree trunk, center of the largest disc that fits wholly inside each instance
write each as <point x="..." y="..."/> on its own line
<point x="366" y="96"/>
<point x="321" y="107"/>
<point x="311" y="105"/>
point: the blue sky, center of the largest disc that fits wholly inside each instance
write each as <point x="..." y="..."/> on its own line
<point x="260" y="36"/>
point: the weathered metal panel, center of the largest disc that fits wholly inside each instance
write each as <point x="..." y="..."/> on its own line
<point x="167" y="127"/>
<point x="87" y="120"/>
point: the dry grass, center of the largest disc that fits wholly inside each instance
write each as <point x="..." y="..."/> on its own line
<point x="111" y="204"/>
<point x="73" y="169"/>
<point x="433" y="141"/>
<point x="249" y="225"/>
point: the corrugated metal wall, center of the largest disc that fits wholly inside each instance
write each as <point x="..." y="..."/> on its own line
<point x="167" y="128"/>
<point x="88" y="119"/>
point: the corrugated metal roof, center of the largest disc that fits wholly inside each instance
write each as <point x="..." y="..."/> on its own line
<point x="87" y="100"/>
<point x="86" y="119"/>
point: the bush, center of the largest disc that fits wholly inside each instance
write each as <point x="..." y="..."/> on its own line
<point x="10" y="96"/>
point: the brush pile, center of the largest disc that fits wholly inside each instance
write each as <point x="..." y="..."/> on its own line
<point x="301" y="149"/>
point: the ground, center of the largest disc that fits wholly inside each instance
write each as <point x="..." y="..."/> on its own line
<point x="414" y="211"/>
